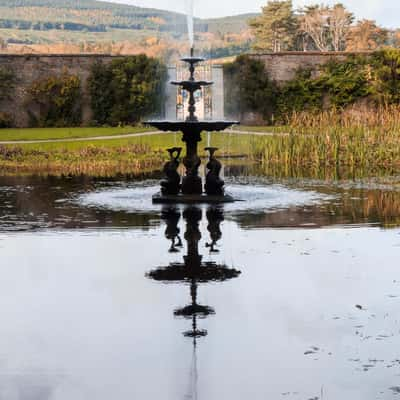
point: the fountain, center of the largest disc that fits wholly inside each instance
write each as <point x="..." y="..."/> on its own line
<point x="193" y="271"/>
<point x="191" y="189"/>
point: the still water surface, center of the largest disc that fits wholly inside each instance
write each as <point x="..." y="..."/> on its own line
<point x="293" y="293"/>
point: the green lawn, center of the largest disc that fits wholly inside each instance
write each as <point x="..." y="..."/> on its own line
<point x="269" y="129"/>
<point x="227" y="143"/>
<point x="81" y="133"/>
<point x="111" y="157"/>
<point x="65" y="133"/>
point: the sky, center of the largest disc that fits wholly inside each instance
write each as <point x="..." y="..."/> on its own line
<point x="385" y="12"/>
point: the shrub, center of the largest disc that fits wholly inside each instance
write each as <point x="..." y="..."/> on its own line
<point x="7" y="81"/>
<point x="248" y="88"/>
<point x="127" y="90"/>
<point x="345" y="82"/>
<point x="6" y="120"/>
<point x="338" y="85"/>
<point x="55" y="101"/>
<point x="385" y="73"/>
<point x="301" y="93"/>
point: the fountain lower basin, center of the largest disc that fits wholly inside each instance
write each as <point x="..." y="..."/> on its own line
<point x="189" y="126"/>
<point x="160" y="198"/>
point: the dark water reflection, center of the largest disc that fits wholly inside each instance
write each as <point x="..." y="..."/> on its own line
<point x="37" y="203"/>
<point x="112" y="302"/>
<point x="193" y="271"/>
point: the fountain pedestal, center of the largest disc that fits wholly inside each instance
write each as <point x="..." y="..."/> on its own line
<point x="191" y="188"/>
<point x="192" y="183"/>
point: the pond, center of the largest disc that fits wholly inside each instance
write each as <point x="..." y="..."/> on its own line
<point x="292" y="293"/>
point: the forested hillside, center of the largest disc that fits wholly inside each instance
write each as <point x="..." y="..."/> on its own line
<point x="90" y="25"/>
<point x="81" y="15"/>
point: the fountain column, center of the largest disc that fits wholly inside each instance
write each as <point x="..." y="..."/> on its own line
<point x="191" y="183"/>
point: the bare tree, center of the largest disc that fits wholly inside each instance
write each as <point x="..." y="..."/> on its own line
<point x="327" y="27"/>
<point x="339" y="22"/>
<point x="313" y="23"/>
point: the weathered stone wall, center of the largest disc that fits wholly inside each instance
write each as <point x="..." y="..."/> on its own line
<point x="30" y="68"/>
<point x="283" y="66"/>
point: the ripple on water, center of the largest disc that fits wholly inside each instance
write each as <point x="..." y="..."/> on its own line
<point x="252" y="198"/>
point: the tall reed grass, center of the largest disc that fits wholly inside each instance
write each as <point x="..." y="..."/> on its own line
<point x="352" y="142"/>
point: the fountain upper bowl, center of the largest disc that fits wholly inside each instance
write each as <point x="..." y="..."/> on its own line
<point x="193" y="60"/>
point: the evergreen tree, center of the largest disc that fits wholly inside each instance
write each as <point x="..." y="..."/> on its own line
<point x="275" y="28"/>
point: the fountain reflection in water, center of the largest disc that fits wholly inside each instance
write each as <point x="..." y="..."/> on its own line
<point x="193" y="271"/>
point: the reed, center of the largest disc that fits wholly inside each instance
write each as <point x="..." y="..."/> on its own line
<point x="353" y="142"/>
<point x="384" y="118"/>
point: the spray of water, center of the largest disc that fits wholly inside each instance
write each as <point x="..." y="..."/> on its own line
<point x="190" y="21"/>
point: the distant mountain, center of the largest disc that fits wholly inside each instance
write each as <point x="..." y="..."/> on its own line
<point x="98" y="16"/>
<point x="96" y="26"/>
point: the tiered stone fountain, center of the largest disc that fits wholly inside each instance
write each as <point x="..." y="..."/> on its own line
<point x="191" y="189"/>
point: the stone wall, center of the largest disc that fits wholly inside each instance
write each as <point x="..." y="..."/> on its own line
<point x="283" y="66"/>
<point x="30" y="68"/>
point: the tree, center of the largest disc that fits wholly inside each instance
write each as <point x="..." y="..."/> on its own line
<point x="366" y="35"/>
<point x="395" y="38"/>
<point x="339" y="23"/>
<point x="313" y="26"/>
<point x="275" y="29"/>
<point x="327" y="27"/>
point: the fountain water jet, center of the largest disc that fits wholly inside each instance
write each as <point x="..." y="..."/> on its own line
<point x="190" y="21"/>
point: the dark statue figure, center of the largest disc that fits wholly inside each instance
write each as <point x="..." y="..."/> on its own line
<point x="214" y="184"/>
<point x="172" y="231"/>
<point x="172" y="185"/>
<point x="215" y="216"/>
